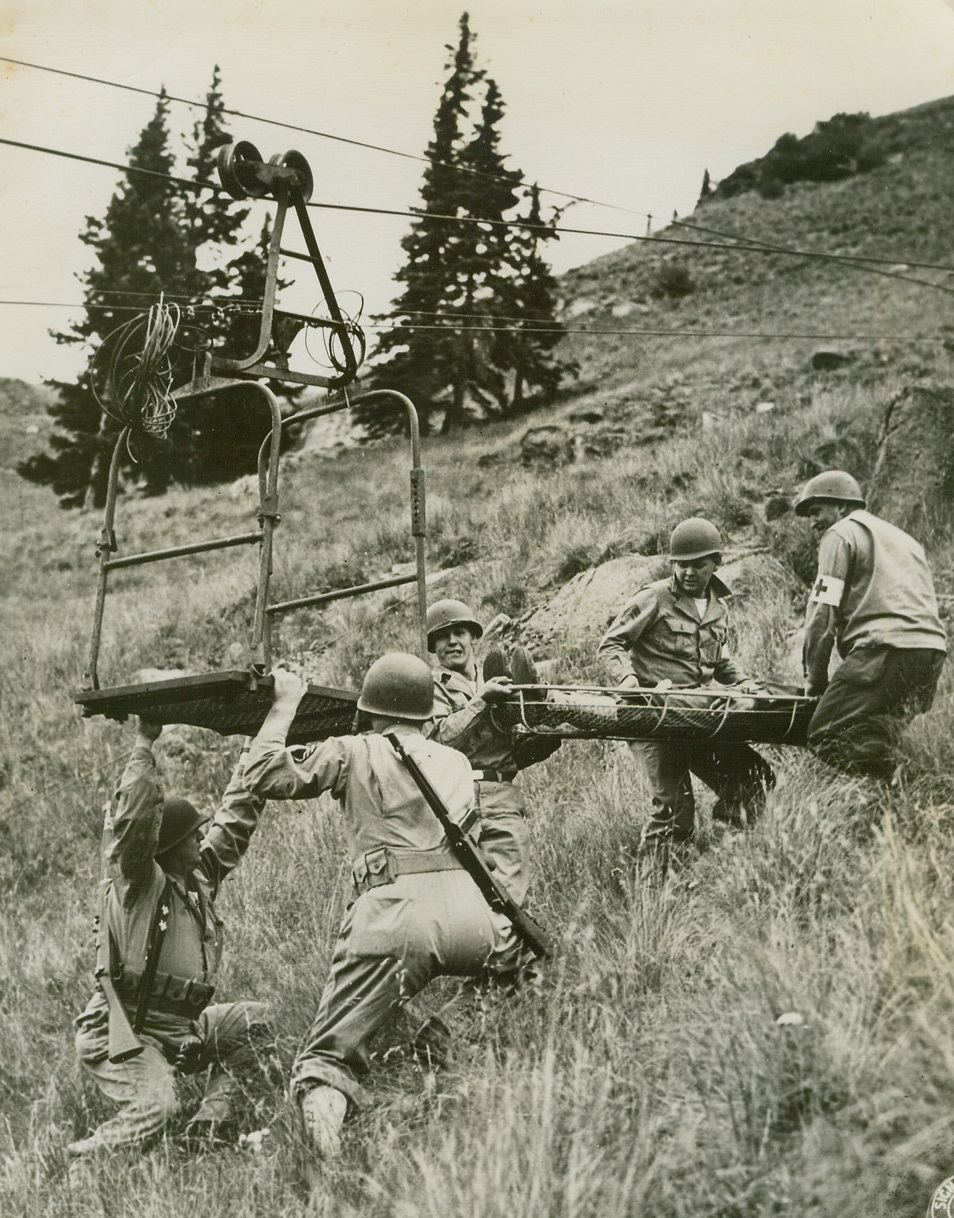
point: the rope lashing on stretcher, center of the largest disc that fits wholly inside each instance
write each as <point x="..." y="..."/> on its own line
<point x="714" y="713"/>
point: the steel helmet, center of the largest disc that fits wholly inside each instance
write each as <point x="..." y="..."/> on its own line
<point x="694" y="538"/>
<point x="179" y="819"/>
<point x="833" y="486"/>
<point x="399" y="685"/>
<point x="450" y="613"/>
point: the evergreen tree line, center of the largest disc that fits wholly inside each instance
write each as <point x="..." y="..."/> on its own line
<point x="474" y="333"/>
<point x="156" y="240"/>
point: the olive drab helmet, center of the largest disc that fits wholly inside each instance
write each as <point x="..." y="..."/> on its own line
<point x="833" y="486"/>
<point x="398" y="685"/>
<point x="179" y="819"/>
<point x="694" y="538"/>
<point x="450" y="613"/>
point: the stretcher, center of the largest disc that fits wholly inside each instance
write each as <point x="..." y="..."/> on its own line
<point x="581" y="712"/>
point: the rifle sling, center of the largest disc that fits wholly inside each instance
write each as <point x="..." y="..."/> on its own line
<point x="157" y="933"/>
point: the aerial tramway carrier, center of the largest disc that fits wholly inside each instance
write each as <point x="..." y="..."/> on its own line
<point x="236" y="701"/>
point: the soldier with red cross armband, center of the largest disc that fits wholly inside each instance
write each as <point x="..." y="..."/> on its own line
<point x="873" y="600"/>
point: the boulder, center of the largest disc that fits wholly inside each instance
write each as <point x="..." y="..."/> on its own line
<point x="547" y="445"/>
<point x="913" y="480"/>
<point x="575" y="618"/>
<point x="828" y="361"/>
<point x="568" y="628"/>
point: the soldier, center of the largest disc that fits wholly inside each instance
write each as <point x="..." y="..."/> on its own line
<point x="873" y="600"/>
<point x="463" y="721"/>
<point x="417" y="914"/>
<point x="673" y="635"/>
<point x="160" y="947"/>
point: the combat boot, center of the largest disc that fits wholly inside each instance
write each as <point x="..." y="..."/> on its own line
<point x="323" y="1109"/>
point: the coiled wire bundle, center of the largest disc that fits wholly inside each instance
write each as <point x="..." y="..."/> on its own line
<point x="132" y="372"/>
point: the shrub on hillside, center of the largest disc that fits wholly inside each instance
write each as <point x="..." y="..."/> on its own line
<point x="672" y="280"/>
<point x="844" y="145"/>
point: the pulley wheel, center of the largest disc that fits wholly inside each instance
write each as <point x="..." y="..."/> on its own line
<point x="236" y="165"/>
<point x="292" y="159"/>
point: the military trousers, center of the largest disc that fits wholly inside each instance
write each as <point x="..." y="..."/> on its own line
<point x="233" y="1034"/>
<point x="503" y="835"/>
<point x="394" y="940"/>
<point x="739" y="776"/>
<point x="860" y="716"/>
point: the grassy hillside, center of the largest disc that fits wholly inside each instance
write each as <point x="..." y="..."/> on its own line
<point x="890" y="326"/>
<point x="648" y="1073"/>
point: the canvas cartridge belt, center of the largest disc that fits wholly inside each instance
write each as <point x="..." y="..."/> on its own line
<point x="494" y="775"/>
<point x="168" y="995"/>
<point x="382" y="866"/>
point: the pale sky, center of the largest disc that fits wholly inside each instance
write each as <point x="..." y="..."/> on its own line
<point x="623" y="101"/>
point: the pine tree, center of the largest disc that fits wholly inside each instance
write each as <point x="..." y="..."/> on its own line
<point x="141" y="252"/>
<point x="444" y="350"/>
<point x="156" y="239"/>
<point x="420" y="362"/>
<point x="488" y="192"/>
<point x="527" y="300"/>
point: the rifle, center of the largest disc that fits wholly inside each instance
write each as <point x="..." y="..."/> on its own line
<point x="527" y="928"/>
<point x="123" y="1043"/>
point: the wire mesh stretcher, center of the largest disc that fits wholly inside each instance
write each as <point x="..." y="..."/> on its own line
<point x="576" y="712"/>
<point x="232" y="703"/>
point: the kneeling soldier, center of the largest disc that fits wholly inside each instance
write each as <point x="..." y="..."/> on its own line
<point x="417" y="914"/>
<point x="463" y="721"/>
<point x="160" y="943"/>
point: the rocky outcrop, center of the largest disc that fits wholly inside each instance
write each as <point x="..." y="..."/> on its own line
<point x="913" y="480"/>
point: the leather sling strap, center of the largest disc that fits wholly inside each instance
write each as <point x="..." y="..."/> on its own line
<point x="160" y="921"/>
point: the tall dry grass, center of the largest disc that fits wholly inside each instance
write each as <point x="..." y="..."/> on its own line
<point x="646" y="1073"/>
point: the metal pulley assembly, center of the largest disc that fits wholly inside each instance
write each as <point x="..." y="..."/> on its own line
<point x="246" y="175"/>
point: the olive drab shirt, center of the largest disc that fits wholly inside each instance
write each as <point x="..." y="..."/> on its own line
<point x="191" y="945"/>
<point x="462" y="720"/>
<point x="873" y="589"/>
<point x="192" y="942"/>
<point x="380" y="801"/>
<point x="660" y="636"/>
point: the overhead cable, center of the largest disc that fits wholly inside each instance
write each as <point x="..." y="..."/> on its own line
<point x="593" y="330"/>
<point x="325" y="135"/>
<point x="854" y="261"/>
<point x="660" y="333"/>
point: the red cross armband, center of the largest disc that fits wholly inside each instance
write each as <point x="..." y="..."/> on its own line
<point x="827" y="590"/>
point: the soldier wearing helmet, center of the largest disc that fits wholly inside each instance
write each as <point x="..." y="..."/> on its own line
<point x="463" y="721"/>
<point x="417" y="914"/>
<point x="873" y="600"/>
<point x="161" y="942"/>
<point x="673" y="634"/>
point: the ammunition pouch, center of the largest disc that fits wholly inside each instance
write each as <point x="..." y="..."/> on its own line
<point x="382" y="866"/>
<point x="168" y="995"/>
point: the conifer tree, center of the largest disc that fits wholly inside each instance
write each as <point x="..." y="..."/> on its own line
<point x="527" y="300"/>
<point x="420" y="362"/>
<point x="488" y="191"/>
<point x="141" y="252"/>
<point x="154" y="240"/>
<point x="443" y="349"/>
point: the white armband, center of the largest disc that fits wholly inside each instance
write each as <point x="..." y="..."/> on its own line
<point x="827" y="590"/>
